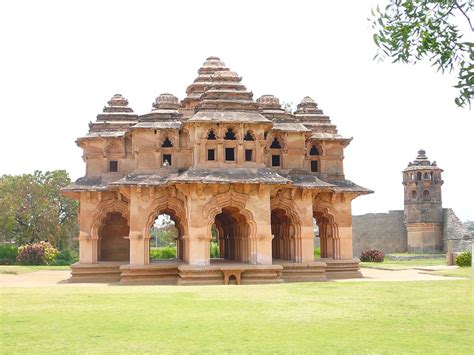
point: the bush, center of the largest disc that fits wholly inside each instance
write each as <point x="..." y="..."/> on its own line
<point x="372" y="255"/>
<point x="65" y="257"/>
<point x="8" y="254"/>
<point x="317" y="252"/>
<point x="36" y="253"/>
<point x="214" y="250"/>
<point x="464" y="259"/>
<point x="163" y="253"/>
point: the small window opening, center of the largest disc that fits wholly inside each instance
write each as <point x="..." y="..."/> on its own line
<point x="211" y="154"/>
<point x="418" y="176"/>
<point x="314" y="150"/>
<point x="248" y="136"/>
<point x="230" y="135"/>
<point x="314" y="166"/>
<point x="275" y="160"/>
<point x="265" y="135"/>
<point x="248" y="154"/>
<point x="413" y="194"/>
<point x="166" y="159"/>
<point x="167" y="143"/>
<point x="275" y="144"/>
<point x="432" y="176"/>
<point x="229" y="154"/>
<point x="426" y="194"/>
<point x="113" y="166"/>
<point x="211" y="136"/>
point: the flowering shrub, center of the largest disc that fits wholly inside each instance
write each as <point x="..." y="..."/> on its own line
<point x="372" y="255"/>
<point x="36" y="253"/>
<point x="464" y="259"/>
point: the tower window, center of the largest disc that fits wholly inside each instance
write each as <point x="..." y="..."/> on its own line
<point x="418" y="176"/>
<point x="275" y="160"/>
<point x="167" y="143"/>
<point x="426" y="195"/>
<point x="314" y="166"/>
<point x="413" y="194"/>
<point x="230" y="135"/>
<point x="314" y="150"/>
<point x="275" y="144"/>
<point x="229" y="154"/>
<point x="211" y="136"/>
<point x="211" y="154"/>
<point x="248" y="154"/>
<point x="166" y="159"/>
<point x="113" y="166"/>
<point x="248" y="136"/>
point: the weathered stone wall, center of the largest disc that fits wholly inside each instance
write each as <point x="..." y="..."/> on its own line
<point x="453" y="228"/>
<point x="383" y="231"/>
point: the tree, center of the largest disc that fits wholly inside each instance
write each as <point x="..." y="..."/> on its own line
<point x="411" y="30"/>
<point x="32" y="209"/>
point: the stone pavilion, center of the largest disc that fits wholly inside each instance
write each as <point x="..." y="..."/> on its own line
<point x="219" y="160"/>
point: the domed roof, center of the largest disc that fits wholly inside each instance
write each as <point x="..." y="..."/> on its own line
<point x="166" y="101"/>
<point x="268" y="102"/>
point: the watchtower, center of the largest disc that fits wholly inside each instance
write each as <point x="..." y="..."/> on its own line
<point x="423" y="205"/>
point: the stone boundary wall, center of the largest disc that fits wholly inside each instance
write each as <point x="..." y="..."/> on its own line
<point x="454" y="228"/>
<point x="383" y="231"/>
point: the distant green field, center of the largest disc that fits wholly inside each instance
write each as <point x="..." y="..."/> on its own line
<point x="21" y="269"/>
<point x="358" y="317"/>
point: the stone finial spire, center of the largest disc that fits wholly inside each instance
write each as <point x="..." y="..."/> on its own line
<point x="211" y="65"/>
<point x="117" y="110"/>
<point x="308" y="105"/>
<point x="421" y="160"/>
<point x="117" y="103"/>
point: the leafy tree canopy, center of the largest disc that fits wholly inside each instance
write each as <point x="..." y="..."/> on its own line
<point x="410" y="30"/>
<point x="32" y="209"/>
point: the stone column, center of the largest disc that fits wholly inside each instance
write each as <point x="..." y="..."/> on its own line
<point x="261" y="242"/>
<point x="139" y="245"/>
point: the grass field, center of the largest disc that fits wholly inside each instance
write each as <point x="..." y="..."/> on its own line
<point x="379" y="317"/>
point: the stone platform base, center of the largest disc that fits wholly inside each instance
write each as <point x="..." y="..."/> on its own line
<point x="220" y="272"/>
<point x="342" y="269"/>
<point x="105" y="271"/>
<point x="302" y="272"/>
<point x="162" y="273"/>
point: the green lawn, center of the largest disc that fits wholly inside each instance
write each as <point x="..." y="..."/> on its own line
<point x="377" y="317"/>
<point x="404" y="264"/>
<point x="459" y="272"/>
<point x="21" y="269"/>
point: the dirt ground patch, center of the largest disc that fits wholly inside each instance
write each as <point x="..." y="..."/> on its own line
<point x="51" y="278"/>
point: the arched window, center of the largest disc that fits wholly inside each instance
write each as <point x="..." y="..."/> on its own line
<point x="167" y="143"/>
<point x="418" y="176"/>
<point x="413" y="194"/>
<point x="230" y="135"/>
<point x="426" y="195"/>
<point x="275" y="144"/>
<point x="211" y="135"/>
<point x="314" y="150"/>
<point x="248" y="136"/>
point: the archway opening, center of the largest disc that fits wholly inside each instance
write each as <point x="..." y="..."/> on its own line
<point x="316" y="240"/>
<point x="283" y="242"/>
<point x="165" y="237"/>
<point x="113" y="238"/>
<point x="232" y="235"/>
<point x="326" y="229"/>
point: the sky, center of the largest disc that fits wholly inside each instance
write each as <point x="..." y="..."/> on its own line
<point x="61" y="61"/>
